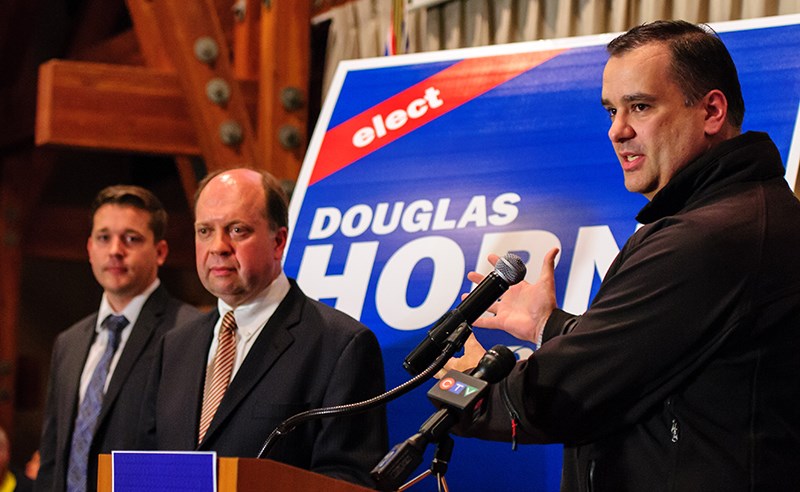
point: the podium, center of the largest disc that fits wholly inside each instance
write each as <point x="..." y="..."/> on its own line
<point x="250" y="474"/>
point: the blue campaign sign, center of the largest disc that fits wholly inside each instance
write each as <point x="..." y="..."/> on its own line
<point x="422" y="165"/>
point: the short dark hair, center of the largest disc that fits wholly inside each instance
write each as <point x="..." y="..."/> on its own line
<point x="700" y="60"/>
<point x="134" y="196"/>
<point x="276" y="206"/>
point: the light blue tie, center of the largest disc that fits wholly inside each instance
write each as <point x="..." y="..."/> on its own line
<point x="89" y="410"/>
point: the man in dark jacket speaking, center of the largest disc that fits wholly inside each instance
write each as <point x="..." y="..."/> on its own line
<point x="683" y="373"/>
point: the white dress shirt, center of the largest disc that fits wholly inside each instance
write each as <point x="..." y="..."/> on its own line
<point x="131" y="312"/>
<point x="250" y="320"/>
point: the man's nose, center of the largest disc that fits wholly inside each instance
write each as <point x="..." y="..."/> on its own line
<point x="117" y="246"/>
<point x="220" y="244"/>
<point x="620" y="129"/>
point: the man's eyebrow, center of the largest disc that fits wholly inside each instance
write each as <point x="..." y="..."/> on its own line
<point x="638" y="96"/>
<point x="628" y="98"/>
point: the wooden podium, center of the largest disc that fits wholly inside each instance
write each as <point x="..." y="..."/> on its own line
<point x="250" y="474"/>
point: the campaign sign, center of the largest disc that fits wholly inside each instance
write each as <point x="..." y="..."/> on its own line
<point x="422" y="165"/>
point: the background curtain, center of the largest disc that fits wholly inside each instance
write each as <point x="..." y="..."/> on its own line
<point x="361" y="28"/>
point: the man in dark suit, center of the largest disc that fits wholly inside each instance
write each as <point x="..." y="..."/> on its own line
<point x="95" y="390"/>
<point x="288" y="353"/>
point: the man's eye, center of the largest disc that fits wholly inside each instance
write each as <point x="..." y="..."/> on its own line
<point x="201" y="231"/>
<point x="640" y="107"/>
<point x="239" y="231"/>
<point x="611" y="112"/>
<point x="102" y="238"/>
<point x="133" y="239"/>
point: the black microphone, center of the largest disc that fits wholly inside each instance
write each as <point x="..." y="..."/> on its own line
<point x="457" y="395"/>
<point x="463" y="392"/>
<point x="509" y="270"/>
<point x="495" y="364"/>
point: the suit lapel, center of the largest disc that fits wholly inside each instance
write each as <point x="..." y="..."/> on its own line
<point x="271" y="343"/>
<point x="77" y="348"/>
<point x="194" y="372"/>
<point x="146" y="325"/>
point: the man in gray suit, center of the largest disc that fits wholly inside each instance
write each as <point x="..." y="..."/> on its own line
<point x="225" y="382"/>
<point x="100" y="364"/>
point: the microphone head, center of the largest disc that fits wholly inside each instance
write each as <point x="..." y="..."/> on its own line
<point x="495" y="364"/>
<point x="511" y="268"/>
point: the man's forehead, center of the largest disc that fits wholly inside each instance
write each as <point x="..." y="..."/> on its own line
<point x="636" y="75"/>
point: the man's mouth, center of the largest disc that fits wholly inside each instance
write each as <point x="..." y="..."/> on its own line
<point x="630" y="161"/>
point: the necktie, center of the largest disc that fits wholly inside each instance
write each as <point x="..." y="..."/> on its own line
<point x="89" y="409"/>
<point x="221" y="371"/>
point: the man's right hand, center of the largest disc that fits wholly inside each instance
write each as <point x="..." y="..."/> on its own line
<point x="523" y="310"/>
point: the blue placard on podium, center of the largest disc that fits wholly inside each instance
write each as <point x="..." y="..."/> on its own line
<point x="146" y="471"/>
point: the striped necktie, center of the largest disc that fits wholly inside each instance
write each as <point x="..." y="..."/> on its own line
<point x="89" y="409"/>
<point x="220" y="373"/>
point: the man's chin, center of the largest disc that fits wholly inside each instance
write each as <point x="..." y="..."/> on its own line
<point x="116" y="286"/>
<point x="224" y="290"/>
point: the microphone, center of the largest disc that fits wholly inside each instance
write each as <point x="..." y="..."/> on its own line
<point x="457" y="395"/>
<point x="495" y="364"/>
<point x="508" y="271"/>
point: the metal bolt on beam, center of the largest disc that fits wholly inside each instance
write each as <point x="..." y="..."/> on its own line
<point x="206" y="49"/>
<point x="239" y="10"/>
<point x="289" y="137"/>
<point x="231" y="133"/>
<point x="292" y="98"/>
<point x="218" y="91"/>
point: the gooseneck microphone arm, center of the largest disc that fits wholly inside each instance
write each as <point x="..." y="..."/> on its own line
<point x="453" y="344"/>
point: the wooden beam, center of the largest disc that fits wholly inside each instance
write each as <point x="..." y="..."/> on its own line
<point x="184" y="26"/>
<point x="285" y="54"/>
<point x="152" y="47"/>
<point x="147" y="32"/>
<point x="112" y="107"/>
<point x="247" y="39"/>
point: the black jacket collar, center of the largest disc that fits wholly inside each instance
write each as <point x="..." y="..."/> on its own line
<point x="751" y="156"/>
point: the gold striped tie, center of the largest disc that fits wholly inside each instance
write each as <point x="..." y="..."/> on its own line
<point x="221" y="371"/>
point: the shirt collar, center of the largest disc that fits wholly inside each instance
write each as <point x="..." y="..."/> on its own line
<point x="253" y="315"/>
<point x="131" y="311"/>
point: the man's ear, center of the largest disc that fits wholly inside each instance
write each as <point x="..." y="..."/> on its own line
<point x="281" y="236"/>
<point x="162" y="250"/>
<point x="715" y="105"/>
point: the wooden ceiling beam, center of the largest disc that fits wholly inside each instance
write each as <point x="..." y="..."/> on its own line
<point x="283" y="85"/>
<point x="194" y="38"/>
<point x="120" y="108"/>
<point x="147" y="32"/>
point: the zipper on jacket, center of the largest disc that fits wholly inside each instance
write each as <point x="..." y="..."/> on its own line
<point x="512" y="413"/>
<point x="674" y="428"/>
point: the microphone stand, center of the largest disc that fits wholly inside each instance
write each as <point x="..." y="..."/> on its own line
<point x="441" y="458"/>
<point x="452" y="344"/>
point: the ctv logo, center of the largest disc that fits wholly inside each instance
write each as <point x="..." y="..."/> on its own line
<point x="457" y="387"/>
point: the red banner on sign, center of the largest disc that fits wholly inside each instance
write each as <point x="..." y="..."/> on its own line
<point x="418" y="105"/>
